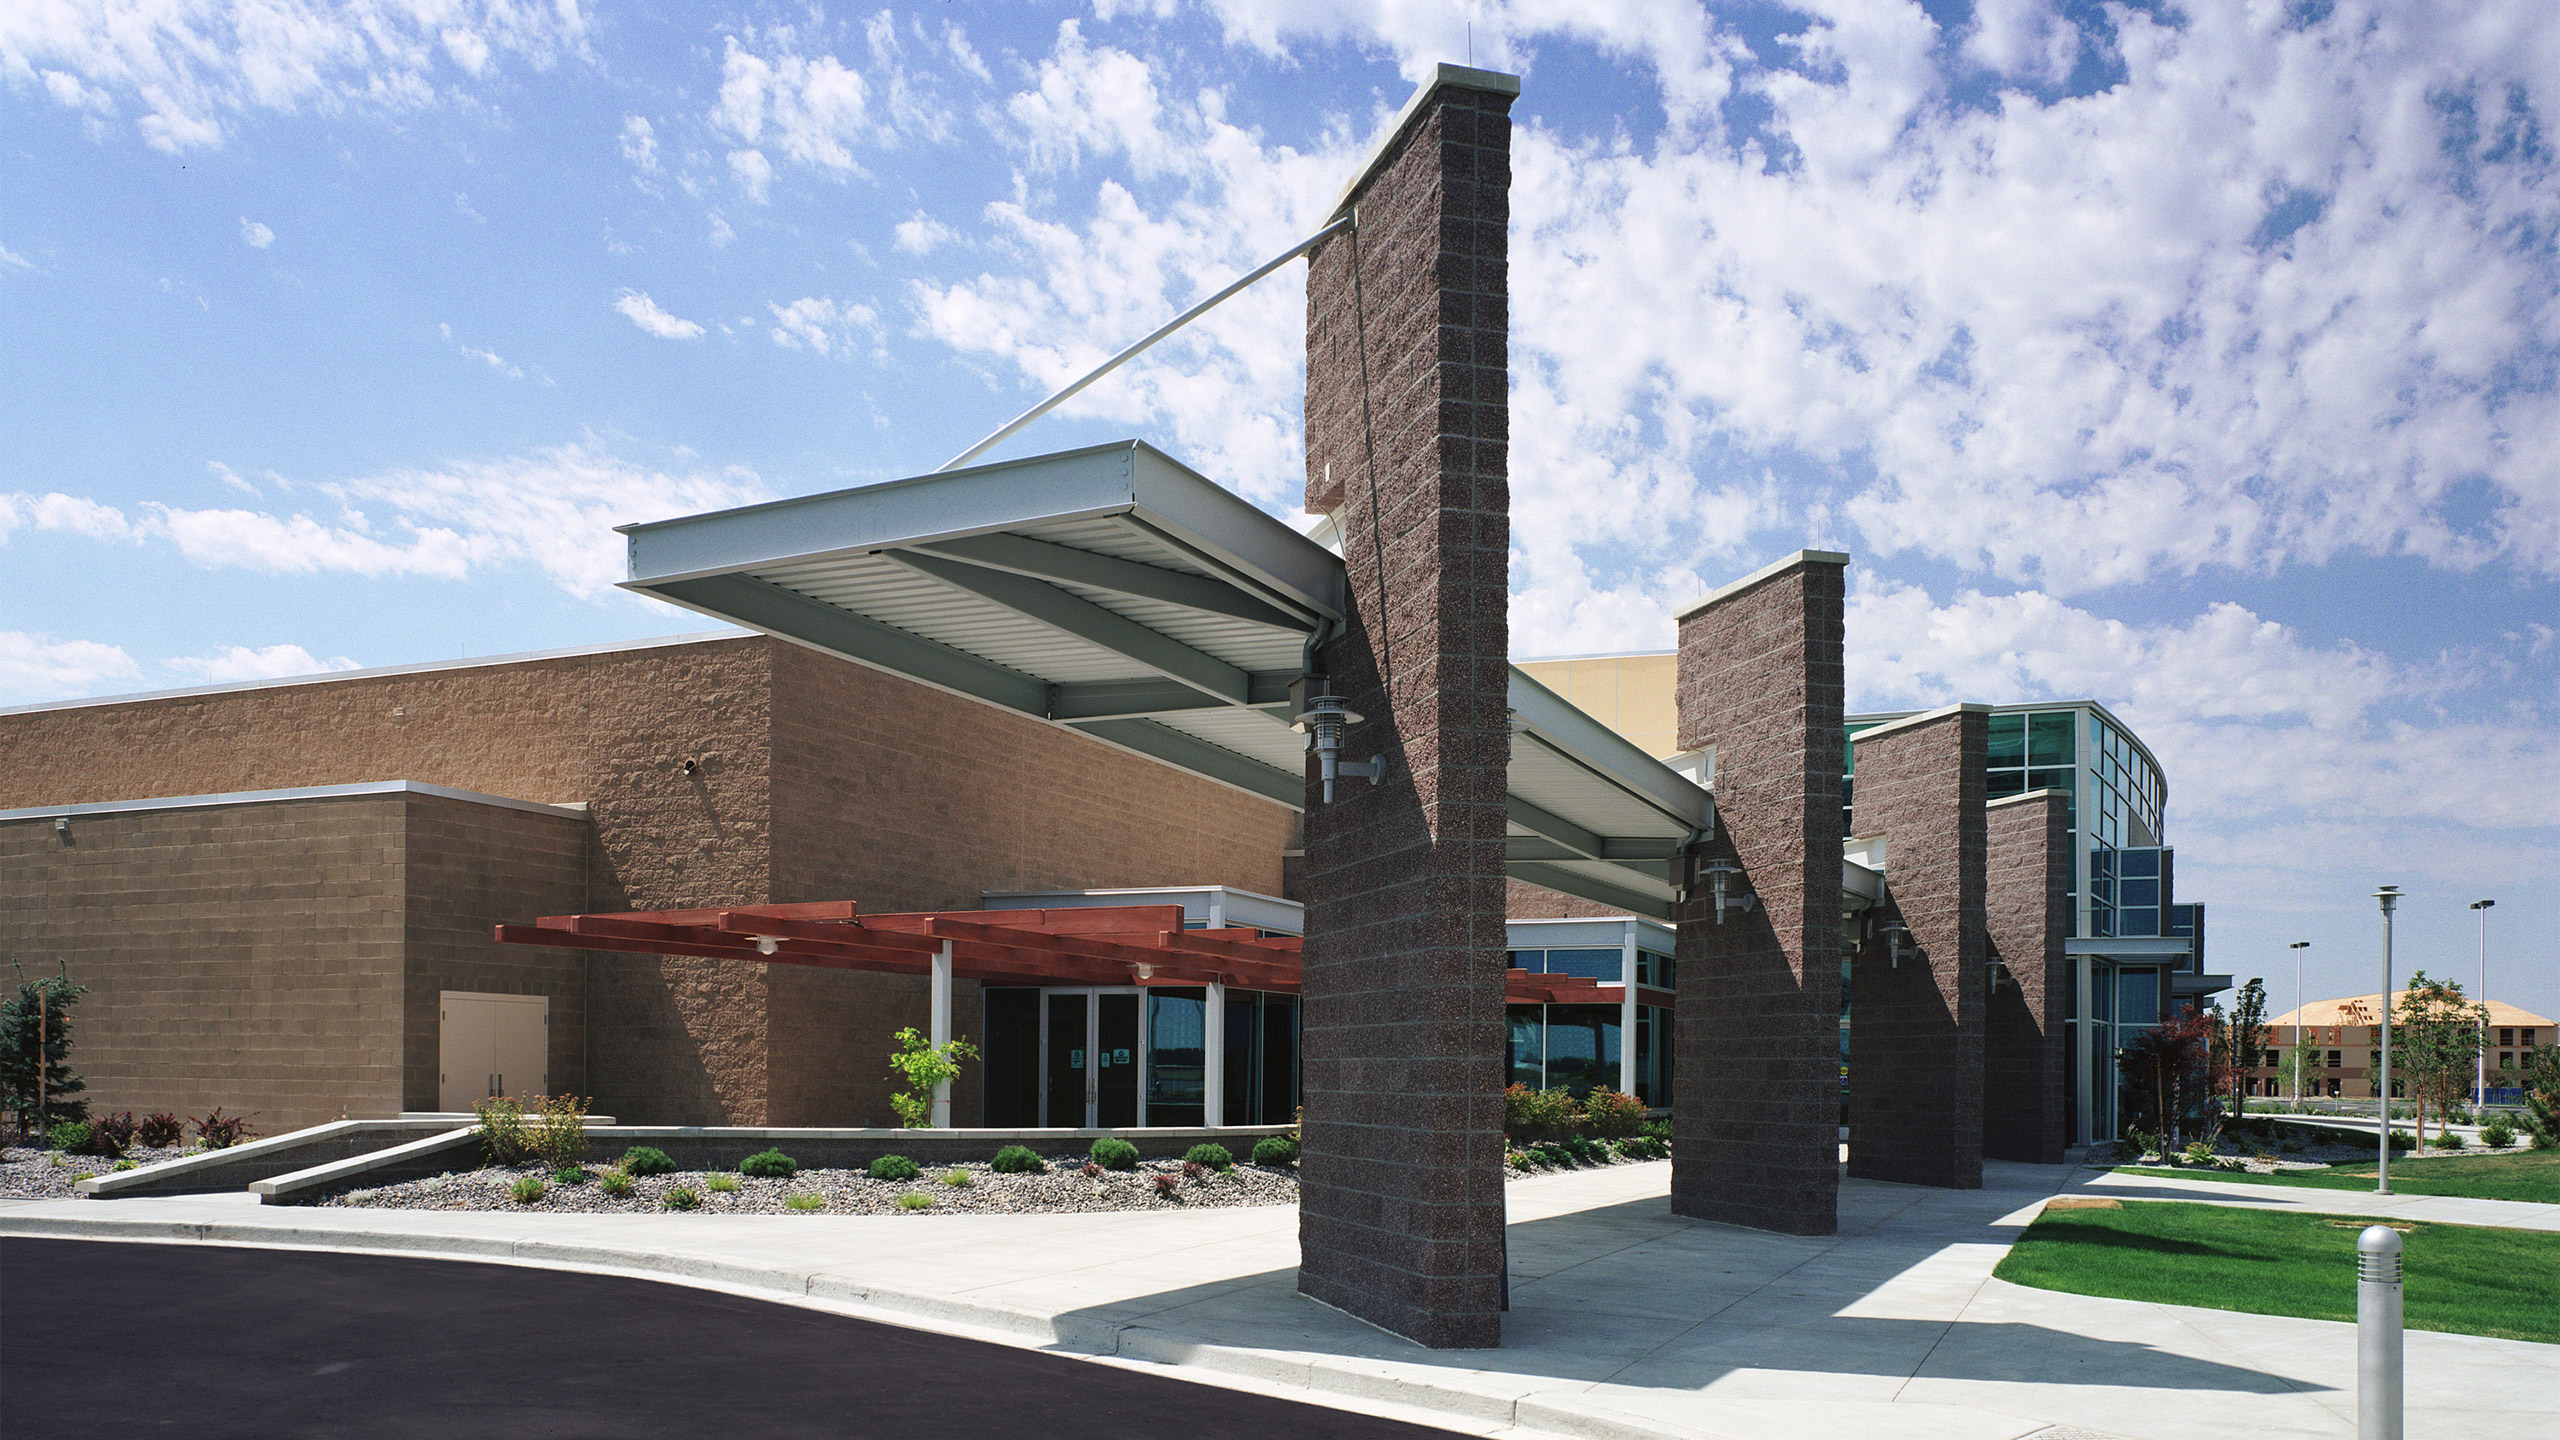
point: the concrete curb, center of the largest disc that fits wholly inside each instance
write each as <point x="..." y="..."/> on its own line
<point x="1264" y="1371"/>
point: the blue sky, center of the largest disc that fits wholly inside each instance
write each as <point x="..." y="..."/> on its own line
<point x="2205" y="363"/>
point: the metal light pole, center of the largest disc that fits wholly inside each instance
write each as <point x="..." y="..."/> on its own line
<point x="2378" y="1343"/>
<point x="2480" y="1075"/>
<point x="2389" y="896"/>
<point x="2297" y="947"/>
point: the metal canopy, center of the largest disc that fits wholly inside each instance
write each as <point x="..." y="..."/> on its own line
<point x="1114" y="592"/>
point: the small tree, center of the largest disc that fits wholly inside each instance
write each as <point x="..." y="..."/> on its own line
<point x="2541" y="1082"/>
<point x="35" y="1051"/>
<point x="2247" y="1036"/>
<point x="924" y="1065"/>
<point x="2171" y="1067"/>
<point x="2435" y="1038"/>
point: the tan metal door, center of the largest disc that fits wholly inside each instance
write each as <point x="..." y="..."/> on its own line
<point x="491" y="1045"/>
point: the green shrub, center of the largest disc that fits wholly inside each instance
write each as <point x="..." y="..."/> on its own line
<point x="895" y="1167"/>
<point x="680" y="1198"/>
<point x="558" y="1132"/>
<point x="769" y="1165"/>
<point x="1643" y="1147"/>
<point x="804" y="1201"/>
<point x="505" y="1138"/>
<point x="569" y="1175"/>
<point x="2446" y="1140"/>
<point x="1113" y="1153"/>
<point x="1213" y="1155"/>
<point x="1276" y="1152"/>
<point x="1539" y="1114"/>
<point x="924" y="1065"/>
<point x="1656" y="1130"/>
<point x="647" y="1160"/>
<point x="2498" y="1134"/>
<point x="527" y="1190"/>
<point x="722" y="1184"/>
<point x="2200" y="1153"/>
<point x="71" y="1137"/>
<point x="1612" y="1115"/>
<point x="958" y="1179"/>
<point x="915" y="1200"/>
<point x="1018" y="1160"/>
<point x="126" y="1165"/>
<point x="2403" y="1140"/>
<point x="1519" y="1160"/>
<point x="614" y="1182"/>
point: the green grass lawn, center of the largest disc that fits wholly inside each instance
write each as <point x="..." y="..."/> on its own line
<point x="2514" y="1175"/>
<point x="2467" y="1279"/>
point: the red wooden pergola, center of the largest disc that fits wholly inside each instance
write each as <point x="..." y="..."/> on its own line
<point x="1100" y="945"/>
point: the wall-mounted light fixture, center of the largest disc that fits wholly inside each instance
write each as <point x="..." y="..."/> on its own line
<point x="1999" y="973"/>
<point x="1724" y="877"/>
<point x="1897" y="942"/>
<point x="1323" y="721"/>
<point x="766" y="944"/>
<point x="61" y="824"/>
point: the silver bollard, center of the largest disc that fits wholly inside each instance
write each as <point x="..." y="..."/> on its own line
<point x="2378" y="1334"/>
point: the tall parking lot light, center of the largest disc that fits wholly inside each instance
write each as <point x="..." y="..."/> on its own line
<point x="2297" y="947"/>
<point x="2480" y="1076"/>
<point x="2389" y="897"/>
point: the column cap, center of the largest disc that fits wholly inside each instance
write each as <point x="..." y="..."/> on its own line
<point x="1443" y="77"/>
<point x="1911" y="722"/>
<point x="1766" y="572"/>
<point x="2044" y="794"/>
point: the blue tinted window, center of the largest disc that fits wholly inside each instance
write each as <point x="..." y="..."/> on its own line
<point x="2137" y="997"/>
<point x="2051" y="740"/>
<point x="2049" y="780"/>
<point x="1532" y="961"/>
<point x="2008" y="740"/>
<point x="1606" y="965"/>
<point x="2139" y="862"/>
<point x="2137" y="892"/>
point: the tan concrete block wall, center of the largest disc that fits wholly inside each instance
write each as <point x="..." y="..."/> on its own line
<point x="245" y="956"/>
<point x="471" y="867"/>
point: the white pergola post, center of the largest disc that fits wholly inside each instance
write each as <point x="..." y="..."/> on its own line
<point x="1627" y="1013"/>
<point x="941" y="1026"/>
<point x="1213" y="1057"/>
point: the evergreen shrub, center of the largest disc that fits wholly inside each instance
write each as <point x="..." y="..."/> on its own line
<point x="1113" y="1153"/>
<point x="642" y="1160"/>
<point x="895" y="1167"/>
<point x="769" y="1165"/>
<point x="1017" y="1160"/>
<point x="1275" y="1151"/>
<point x="1213" y="1155"/>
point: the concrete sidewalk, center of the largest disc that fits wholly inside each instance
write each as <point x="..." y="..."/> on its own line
<point x="1626" y="1321"/>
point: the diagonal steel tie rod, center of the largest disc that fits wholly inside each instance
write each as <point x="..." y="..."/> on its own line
<point x="1115" y="362"/>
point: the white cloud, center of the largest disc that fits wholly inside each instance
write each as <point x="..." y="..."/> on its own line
<point x="37" y="667"/>
<point x="921" y="234"/>
<point x="490" y="358"/>
<point x="192" y="68"/>
<point x="754" y="173"/>
<point x="644" y="312"/>
<point x="640" y="143"/>
<point x="231" y="477"/>
<point x="553" y="509"/>
<point x="258" y="236"/>
<point x="11" y="260"/>
<point x="814" y="110"/>
<point x="721" y="234"/>
<point x="826" y="325"/>
<point x="272" y="662"/>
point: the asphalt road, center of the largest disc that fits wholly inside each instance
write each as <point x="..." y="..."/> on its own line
<point x="108" y="1339"/>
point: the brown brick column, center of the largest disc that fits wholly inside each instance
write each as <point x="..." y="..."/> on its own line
<point x="1755" y="1113"/>
<point x="1401" y="1208"/>
<point x="2025" y="917"/>
<point x="1915" y="1037"/>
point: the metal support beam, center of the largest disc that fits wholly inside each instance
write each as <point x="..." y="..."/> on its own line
<point x="1584" y="843"/>
<point x="1041" y="560"/>
<point x="1187" y="752"/>
<point x="1600" y="892"/>
<point x="1642" y="853"/>
<point x="1266" y="690"/>
<point x="1072" y="615"/>
<point x="788" y="615"/>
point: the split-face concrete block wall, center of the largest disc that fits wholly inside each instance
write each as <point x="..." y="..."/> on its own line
<point x="1915" y="1071"/>
<point x="1755" y="1125"/>
<point x="1401" y="1212"/>
<point x="2026" y="912"/>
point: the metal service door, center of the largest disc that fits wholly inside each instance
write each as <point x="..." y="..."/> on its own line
<point x="1115" y="1054"/>
<point x="1067" y="1036"/>
<point x="490" y="1045"/>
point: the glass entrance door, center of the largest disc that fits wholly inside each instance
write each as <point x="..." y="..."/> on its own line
<point x="1090" y="1070"/>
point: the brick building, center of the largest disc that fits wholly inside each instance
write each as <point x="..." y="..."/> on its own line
<point x="268" y="886"/>
<point x="2343" y="1039"/>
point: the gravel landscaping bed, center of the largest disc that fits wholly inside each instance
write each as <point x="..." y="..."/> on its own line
<point x="29" y="1174"/>
<point x="1062" y="1188"/>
